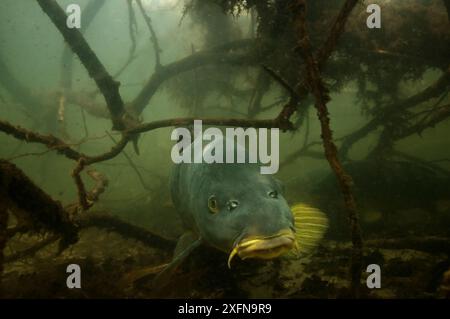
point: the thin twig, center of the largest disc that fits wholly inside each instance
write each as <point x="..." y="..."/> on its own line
<point x="262" y="85"/>
<point x="101" y="182"/>
<point x="82" y="196"/>
<point x="154" y="39"/>
<point x="132" y="29"/>
<point x="280" y="80"/>
<point x="130" y="162"/>
<point x="307" y="128"/>
<point x="28" y="154"/>
<point x="431" y="164"/>
<point x="83" y="118"/>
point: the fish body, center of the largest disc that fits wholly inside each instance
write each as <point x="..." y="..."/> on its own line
<point x="237" y="210"/>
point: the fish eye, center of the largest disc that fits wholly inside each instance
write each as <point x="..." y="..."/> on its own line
<point x="273" y="194"/>
<point x="213" y="204"/>
<point x="232" y="204"/>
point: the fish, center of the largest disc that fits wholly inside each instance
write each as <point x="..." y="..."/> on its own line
<point x="234" y="208"/>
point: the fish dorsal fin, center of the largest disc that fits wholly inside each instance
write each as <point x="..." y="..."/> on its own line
<point x="310" y="226"/>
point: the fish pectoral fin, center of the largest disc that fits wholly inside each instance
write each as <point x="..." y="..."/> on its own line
<point x="140" y="274"/>
<point x="187" y="243"/>
<point x="310" y="226"/>
<point x="183" y="243"/>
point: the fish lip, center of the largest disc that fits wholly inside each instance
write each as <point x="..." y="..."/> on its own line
<point x="263" y="247"/>
<point x="258" y="247"/>
<point x="251" y="240"/>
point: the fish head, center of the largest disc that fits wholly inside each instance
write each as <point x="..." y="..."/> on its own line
<point x="246" y="214"/>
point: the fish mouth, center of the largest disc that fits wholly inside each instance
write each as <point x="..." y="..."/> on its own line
<point x="267" y="247"/>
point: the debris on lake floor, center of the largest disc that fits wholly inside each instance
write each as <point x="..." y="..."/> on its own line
<point x="106" y="258"/>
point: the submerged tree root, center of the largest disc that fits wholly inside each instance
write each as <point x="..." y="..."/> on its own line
<point x="42" y="213"/>
<point x="127" y="230"/>
<point x="317" y="88"/>
<point x="17" y="191"/>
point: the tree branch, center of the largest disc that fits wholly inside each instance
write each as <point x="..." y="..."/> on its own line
<point x="322" y="57"/>
<point x="336" y="31"/>
<point x="276" y="123"/>
<point x="133" y="166"/>
<point x="81" y="190"/>
<point x="50" y="141"/>
<point x="89" y="13"/>
<point x="439" y="115"/>
<point x="106" y="84"/>
<point x="319" y="91"/>
<point x="193" y="61"/>
<point x="18" y="191"/>
<point x="60" y="146"/>
<point x="391" y="110"/>
<point x="125" y="229"/>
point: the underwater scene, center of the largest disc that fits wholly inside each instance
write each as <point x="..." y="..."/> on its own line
<point x="212" y="149"/>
